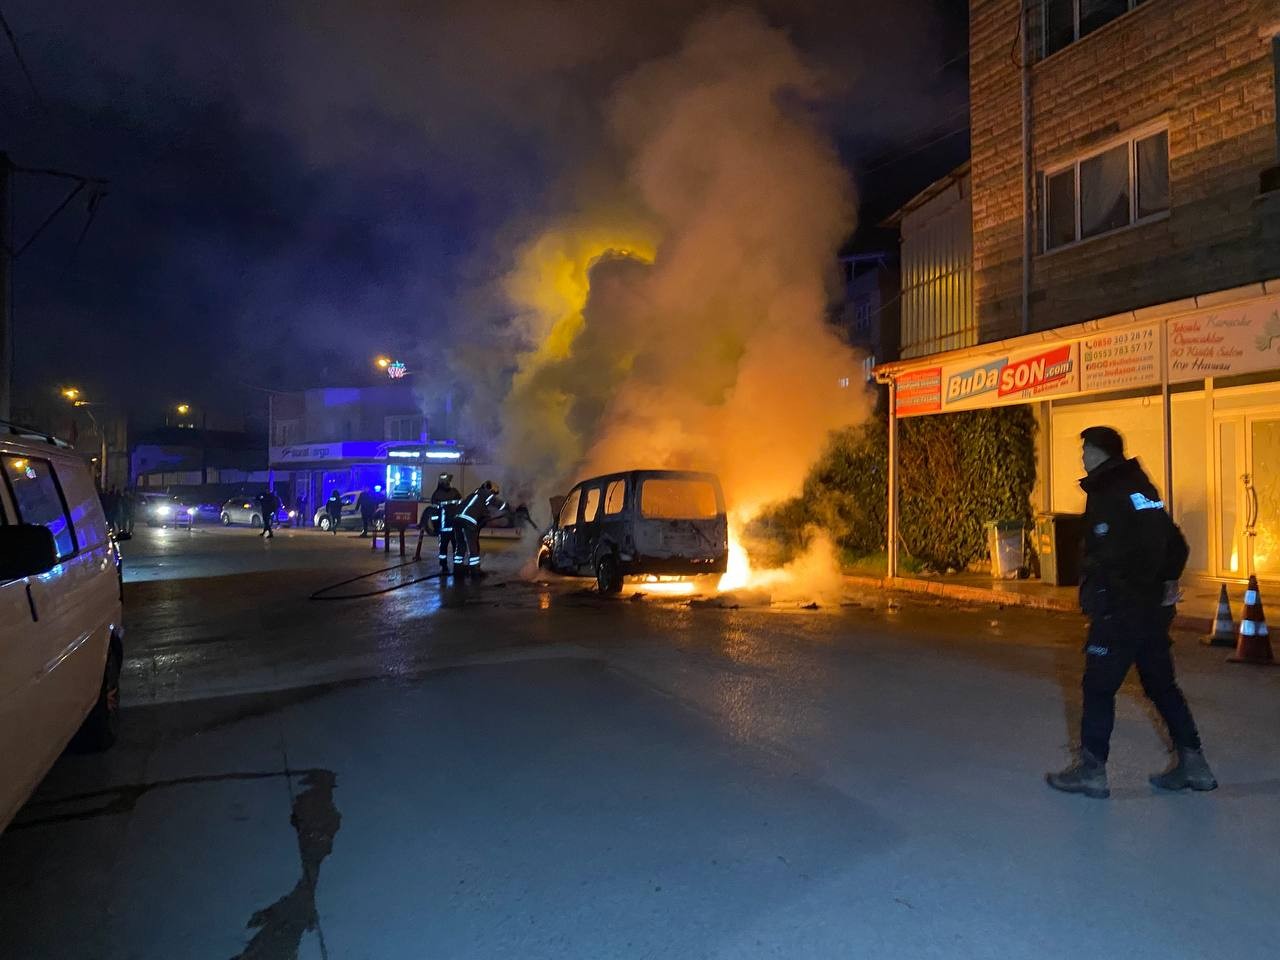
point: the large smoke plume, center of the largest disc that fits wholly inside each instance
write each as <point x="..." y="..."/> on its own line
<point x="689" y="331"/>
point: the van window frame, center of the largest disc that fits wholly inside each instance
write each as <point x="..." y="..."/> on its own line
<point x="577" y="508"/>
<point x="62" y="500"/>
<point x="617" y="481"/>
<point x="590" y="487"/>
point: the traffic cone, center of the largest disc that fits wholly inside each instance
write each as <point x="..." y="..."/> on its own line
<point x="1253" y="645"/>
<point x="1224" y="625"/>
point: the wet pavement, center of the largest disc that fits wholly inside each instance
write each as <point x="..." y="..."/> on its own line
<point x="517" y="769"/>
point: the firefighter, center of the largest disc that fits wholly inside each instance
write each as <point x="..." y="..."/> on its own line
<point x="1133" y="556"/>
<point x="477" y="510"/>
<point x="445" y="500"/>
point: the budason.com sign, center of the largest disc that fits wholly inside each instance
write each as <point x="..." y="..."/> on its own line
<point x="1016" y="377"/>
<point x="1218" y="342"/>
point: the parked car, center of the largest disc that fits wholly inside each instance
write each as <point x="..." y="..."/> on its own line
<point x="164" y="510"/>
<point x="248" y="509"/>
<point x="663" y="522"/>
<point x="350" y="514"/>
<point x="61" y="636"/>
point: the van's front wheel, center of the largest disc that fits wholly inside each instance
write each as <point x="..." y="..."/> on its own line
<point x="101" y="726"/>
<point x="608" y="575"/>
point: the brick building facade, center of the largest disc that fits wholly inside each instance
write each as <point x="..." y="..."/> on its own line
<point x="1137" y="197"/>
<point x="1201" y="70"/>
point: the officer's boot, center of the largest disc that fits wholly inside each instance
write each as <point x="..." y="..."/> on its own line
<point x="1190" y="771"/>
<point x="1088" y="775"/>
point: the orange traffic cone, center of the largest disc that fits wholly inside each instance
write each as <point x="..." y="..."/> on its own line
<point x="1224" y="625"/>
<point x="1253" y="645"/>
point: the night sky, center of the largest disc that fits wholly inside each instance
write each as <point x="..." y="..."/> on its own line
<point x="296" y="187"/>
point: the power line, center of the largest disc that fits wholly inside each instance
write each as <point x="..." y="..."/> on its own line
<point x="914" y="146"/>
<point x="881" y="101"/>
<point x="22" y="64"/>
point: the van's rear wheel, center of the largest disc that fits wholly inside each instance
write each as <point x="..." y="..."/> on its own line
<point x="102" y="725"/>
<point x="608" y="575"/>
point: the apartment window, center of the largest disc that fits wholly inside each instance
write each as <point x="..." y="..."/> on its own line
<point x="862" y="319"/>
<point x="286" y="432"/>
<point x="1124" y="184"/>
<point x="403" y="428"/>
<point x="1063" y="22"/>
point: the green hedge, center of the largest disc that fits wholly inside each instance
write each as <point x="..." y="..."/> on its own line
<point x="956" y="471"/>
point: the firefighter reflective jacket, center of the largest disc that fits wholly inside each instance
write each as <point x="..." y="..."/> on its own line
<point x="446" y="501"/>
<point x="482" y="506"/>
<point x="1132" y="547"/>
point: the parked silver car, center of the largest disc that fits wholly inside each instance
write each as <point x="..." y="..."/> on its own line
<point x="350" y="514"/>
<point x="248" y="510"/>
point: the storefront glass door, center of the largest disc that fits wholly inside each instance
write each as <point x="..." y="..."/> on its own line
<point x="1248" y="455"/>
<point x="1263" y="489"/>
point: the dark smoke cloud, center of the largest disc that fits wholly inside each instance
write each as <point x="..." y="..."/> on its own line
<point x="298" y="185"/>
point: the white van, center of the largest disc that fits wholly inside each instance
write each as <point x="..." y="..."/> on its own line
<point x="60" y="611"/>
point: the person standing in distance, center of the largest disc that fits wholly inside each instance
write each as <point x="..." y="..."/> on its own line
<point x="1133" y="556"/>
<point x="333" y="507"/>
<point x="365" y="504"/>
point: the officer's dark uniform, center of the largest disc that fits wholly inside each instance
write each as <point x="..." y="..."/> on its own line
<point x="367" y="510"/>
<point x="333" y="507"/>
<point x="269" y="505"/>
<point x="445" y="500"/>
<point x="1132" y="549"/>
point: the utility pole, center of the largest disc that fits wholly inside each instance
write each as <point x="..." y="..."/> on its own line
<point x="6" y="285"/>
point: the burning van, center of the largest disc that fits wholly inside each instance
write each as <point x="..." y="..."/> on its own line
<point x="660" y="522"/>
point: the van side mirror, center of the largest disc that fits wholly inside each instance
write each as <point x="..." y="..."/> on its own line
<point x="26" y="550"/>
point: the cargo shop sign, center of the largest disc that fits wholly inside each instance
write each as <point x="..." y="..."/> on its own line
<point x="1014" y="378"/>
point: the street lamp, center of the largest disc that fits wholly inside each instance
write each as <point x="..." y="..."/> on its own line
<point x="73" y="394"/>
<point x="184" y="409"/>
<point x="383" y="362"/>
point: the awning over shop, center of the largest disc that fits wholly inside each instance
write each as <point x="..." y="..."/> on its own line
<point x="1217" y="335"/>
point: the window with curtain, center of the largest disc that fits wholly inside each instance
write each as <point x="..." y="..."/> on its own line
<point x="1124" y="184"/>
<point x="1104" y="192"/>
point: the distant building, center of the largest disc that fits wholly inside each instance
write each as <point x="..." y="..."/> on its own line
<point x="189" y="456"/>
<point x="355" y="438"/>
<point x="869" y="311"/>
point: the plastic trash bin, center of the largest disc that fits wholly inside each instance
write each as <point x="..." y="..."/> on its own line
<point x="1058" y="542"/>
<point x="1006" y="542"/>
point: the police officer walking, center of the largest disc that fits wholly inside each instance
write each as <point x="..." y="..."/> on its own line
<point x="478" y="509"/>
<point x="445" y="501"/>
<point x="333" y="507"/>
<point x="269" y="504"/>
<point x="1133" y="556"/>
<point x="367" y="509"/>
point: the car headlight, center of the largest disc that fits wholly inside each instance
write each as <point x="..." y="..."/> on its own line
<point x="292" y="514"/>
<point x="163" y="510"/>
<point x="191" y="511"/>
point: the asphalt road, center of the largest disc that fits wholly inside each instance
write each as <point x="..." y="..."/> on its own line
<point x="525" y="769"/>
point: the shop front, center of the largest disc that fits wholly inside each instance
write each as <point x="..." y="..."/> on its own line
<point x="1194" y="387"/>
<point x="396" y="470"/>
